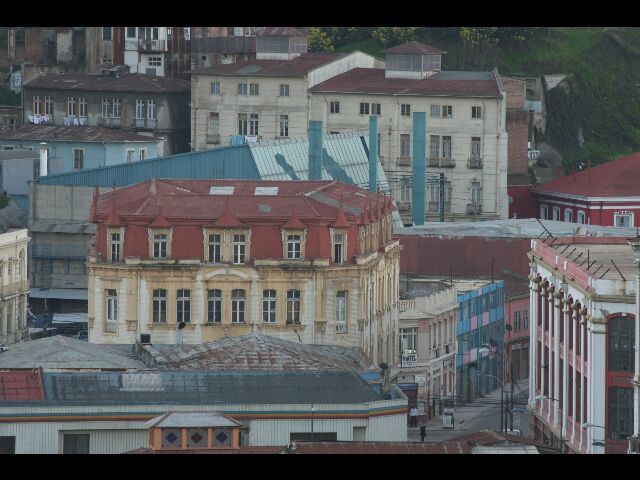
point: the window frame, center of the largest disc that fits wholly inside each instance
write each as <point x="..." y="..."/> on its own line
<point x="284" y="125"/>
<point x="292" y="254"/>
<point x="334" y="106"/>
<point x="214" y="306"/>
<point x="294" y="307"/>
<point x="211" y="245"/>
<point x="243" y="89"/>
<point x="183" y="305"/>
<point x="476" y="112"/>
<point x="238" y="306"/>
<point x="269" y="306"/>
<point x="160" y="245"/>
<point x="405" y="145"/>
<point x="284" y="90"/>
<point x="111" y="310"/>
<point x="78" y="158"/>
<point x="342" y="244"/>
<point x="364" y="108"/>
<point x="342" y="323"/>
<point x="447" y="111"/>
<point x="159" y="305"/>
<point x="405" y="109"/>
<point x="215" y="88"/>
<point x="239" y="249"/>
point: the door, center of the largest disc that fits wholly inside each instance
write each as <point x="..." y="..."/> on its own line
<point x="7" y="445"/>
<point x="75" y="443"/>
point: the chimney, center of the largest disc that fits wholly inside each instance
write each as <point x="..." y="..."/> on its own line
<point x="373" y="153"/>
<point x="419" y="168"/>
<point x="315" y="150"/>
<point x="44" y="158"/>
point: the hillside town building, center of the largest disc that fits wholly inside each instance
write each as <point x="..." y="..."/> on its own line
<point x="14" y="285"/>
<point x="313" y="261"/>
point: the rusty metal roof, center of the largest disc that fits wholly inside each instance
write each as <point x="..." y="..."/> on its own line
<point x="257" y="352"/>
<point x="377" y="448"/>
<point x="130" y="82"/>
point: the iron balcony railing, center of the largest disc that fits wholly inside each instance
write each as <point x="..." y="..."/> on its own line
<point x="441" y="162"/>
<point x="145" y="45"/>
<point x="474" y="208"/>
<point x="474" y="162"/>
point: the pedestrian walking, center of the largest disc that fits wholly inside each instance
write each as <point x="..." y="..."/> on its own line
<point x="414" y="416"/>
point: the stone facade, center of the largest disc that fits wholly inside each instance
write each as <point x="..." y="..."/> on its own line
<point x="14" y="286"/>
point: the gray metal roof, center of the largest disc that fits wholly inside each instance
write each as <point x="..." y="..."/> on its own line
<point x="192" y="419"/>
<point x="257" y="352"/>
<point x="19" y="154"/>
<point x="60" y="293"/>
<point x="513" y="228"/>
<point x="60" y="352"/>
<point x="198" y="387"/>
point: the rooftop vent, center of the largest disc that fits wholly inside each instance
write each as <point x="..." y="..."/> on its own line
<point x="221" y="190"/>
<point x="266" y="191"/>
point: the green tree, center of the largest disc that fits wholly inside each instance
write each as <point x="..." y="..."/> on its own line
<point x="318" y="40"/>
<point x="389" y="36"/>
<point x="479" y="44"/>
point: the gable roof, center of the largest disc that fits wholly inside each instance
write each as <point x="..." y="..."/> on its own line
<point x="413" y="48"/>
<point x="373" y="81"/>
<point x="280" y="32"/>
<point x="130" y="82"/>
<point x="256" y="352"/>
<point x="297" y="67"/>
<point x="616" y="178"/>
<point x="192" y="419"/>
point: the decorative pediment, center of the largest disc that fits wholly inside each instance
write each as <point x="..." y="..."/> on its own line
<point x="227" y="271"/>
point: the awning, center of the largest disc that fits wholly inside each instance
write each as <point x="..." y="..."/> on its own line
<point x="60" y="293"/>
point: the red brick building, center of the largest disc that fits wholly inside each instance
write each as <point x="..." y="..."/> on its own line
<point x="608" y="194"/>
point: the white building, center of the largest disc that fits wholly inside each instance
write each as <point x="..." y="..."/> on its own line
<point x="14" y="285"/>
<point x="634" y="444"/>
<point x="582" y="331"/>
<point x="145" y="48"/>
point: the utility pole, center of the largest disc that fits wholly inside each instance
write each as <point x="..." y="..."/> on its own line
<point x="511" y="378"/>
<point x="506" y="413"/>
<point x="502" y="426"/>
<point x="442" y="197"/>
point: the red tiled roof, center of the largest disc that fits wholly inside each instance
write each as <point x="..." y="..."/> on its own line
<point x="413" y="48"/>
<point x="21" y="385"/>
<point x="294" y="222"/>
<point x="616" y="178"/>
<point x="61" y="133"/>
<point x="378" y="448"/>
<point x="341" y="220"/>
<point x="297" y="67"/>
<point x="228" y="219"/>
<point x="130" y="82"/>
<point x="372" y="81"/>
<point x="280" y="32"/>
<point x="160" y="221"/>
<point x="315" y="201"/>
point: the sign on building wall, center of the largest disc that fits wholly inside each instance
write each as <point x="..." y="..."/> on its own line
<point x="409" y="358"/>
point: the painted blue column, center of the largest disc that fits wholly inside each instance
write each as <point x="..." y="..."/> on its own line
<point x="419" y="168"/>
<point x="373" y="153"/>
<point x="315" y="150"/>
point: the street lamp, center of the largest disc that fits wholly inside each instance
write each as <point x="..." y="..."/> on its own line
<point x="503" y="424"/>
<point x="597" y="443"/>
<point x="540" y="397"/>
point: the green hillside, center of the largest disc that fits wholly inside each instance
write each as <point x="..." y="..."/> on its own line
<point x="603" y="78"/>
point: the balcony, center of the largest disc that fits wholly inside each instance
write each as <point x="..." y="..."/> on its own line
<point x="435" y="207"/>
<point x="150" y="123"/>
<point x="474" y="208"/>
<point x="404" y="206"/>
<point x="474" y="162"/>
<point x="441" y="162"/>
<point x="111" y="122"/>
<point x="145" y="45"/>
<point x="341" y="328"/>
<point x="212" y="138"/>
<point x="404" y="161"/>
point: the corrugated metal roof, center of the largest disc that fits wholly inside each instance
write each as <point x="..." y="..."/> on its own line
<point x="82" y="134"/>
<point x="198" y="387"/>
<point x="130" y="82"/>
<point x="379" y="448"/>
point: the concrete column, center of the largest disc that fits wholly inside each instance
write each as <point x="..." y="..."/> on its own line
<point x="597" y="359"/>
<point x="583" y="416"/>
<point x="575" y="328"/>
<point x="549" y="373"/>
<point x="557" y="325"/>
<point x="533" y="335"/>
<point x="635" y="245"/>
<point x="565" y="366"/>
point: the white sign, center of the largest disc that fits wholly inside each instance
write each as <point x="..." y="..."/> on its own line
<point x="409" y="358"/>
<point x="421" y="380"/>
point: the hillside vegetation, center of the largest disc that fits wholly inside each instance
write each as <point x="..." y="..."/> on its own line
<point x="599" y="98"/>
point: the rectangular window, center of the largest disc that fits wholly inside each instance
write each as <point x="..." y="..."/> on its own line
<point x="215" y="246"/>
<point x="294" y="245"/>
<point x="160" y="306"/>
<point x="405" y="109"/>
<point x="338" y="247"/>
<point x="405" y="145"/>
<point x="130" y="153"/>
<point x="476" y="112"/>
<point x="48" y="105"/>
<point x="155" y="61"/>
<point x="143" y="153"/>
<point x="106" y="33"/>
<point x="623" y="219"/>
<point x="293" y="306"/>
<point x="516" y="321"/>
<point x="82" y="101"/>
<point x="239" y="247"/>
<point x="117" y="108"/>
<point x="242" y="124"/>
<point x="446" y="146"/>
<point x="568" y="215"/>
<point x="214" y="306"/>
<point x="269" y="306"/>
<point x="237" y="306"/>
<point x="375" y="109"/>
<point x="151" y="109"/>
<point x="131" y="32"/>
<point x="621" y="333"/>
<point x="140" y="110"/>
<point x="78" y="159"/>
<point x="284" y="90"/>
<point x="556" y="213"/>
<point x="106" y="107"/>
<point x="254" y="89"/>
<point x="476" y="193"/>
<point x="341" y="312"/>
<point x="253" y="124"/>
<point x="334" y="107"/>
<point x="620" y="413"/>
<point x="76" y="443"/>
<point x="115" y="247"/>
<point x="581" y="217"/>
<point x="364" y="108"/>
<point x="112" y="311"/>
<point x="214" y="122"/>
<point x="408" y="339"/>
<point x="36" y="105"/>
<point x="160" y="245"/>
<point x="544" y="212"/>
<point x="183" y="305"/>
<point x="215" y="88"/>
<point x="525" y="317"/>
<point x="435" y="111"/>
<point x="284" y="125"/>
<point x="243" y="89"/>
<point x="434" y="146"/>
<point x="447" y="111"/>
<point x="475" y="148"/>
<point x="72" y="106"/>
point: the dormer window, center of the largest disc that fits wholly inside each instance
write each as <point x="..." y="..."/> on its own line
<point x="294" y="245"/>
<point x="115" y="247"/>
<point x="215" y="248"/>
<point x="239" y="249"/>
<point x="160" y="245"/>
<point x="339" y="247"/>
